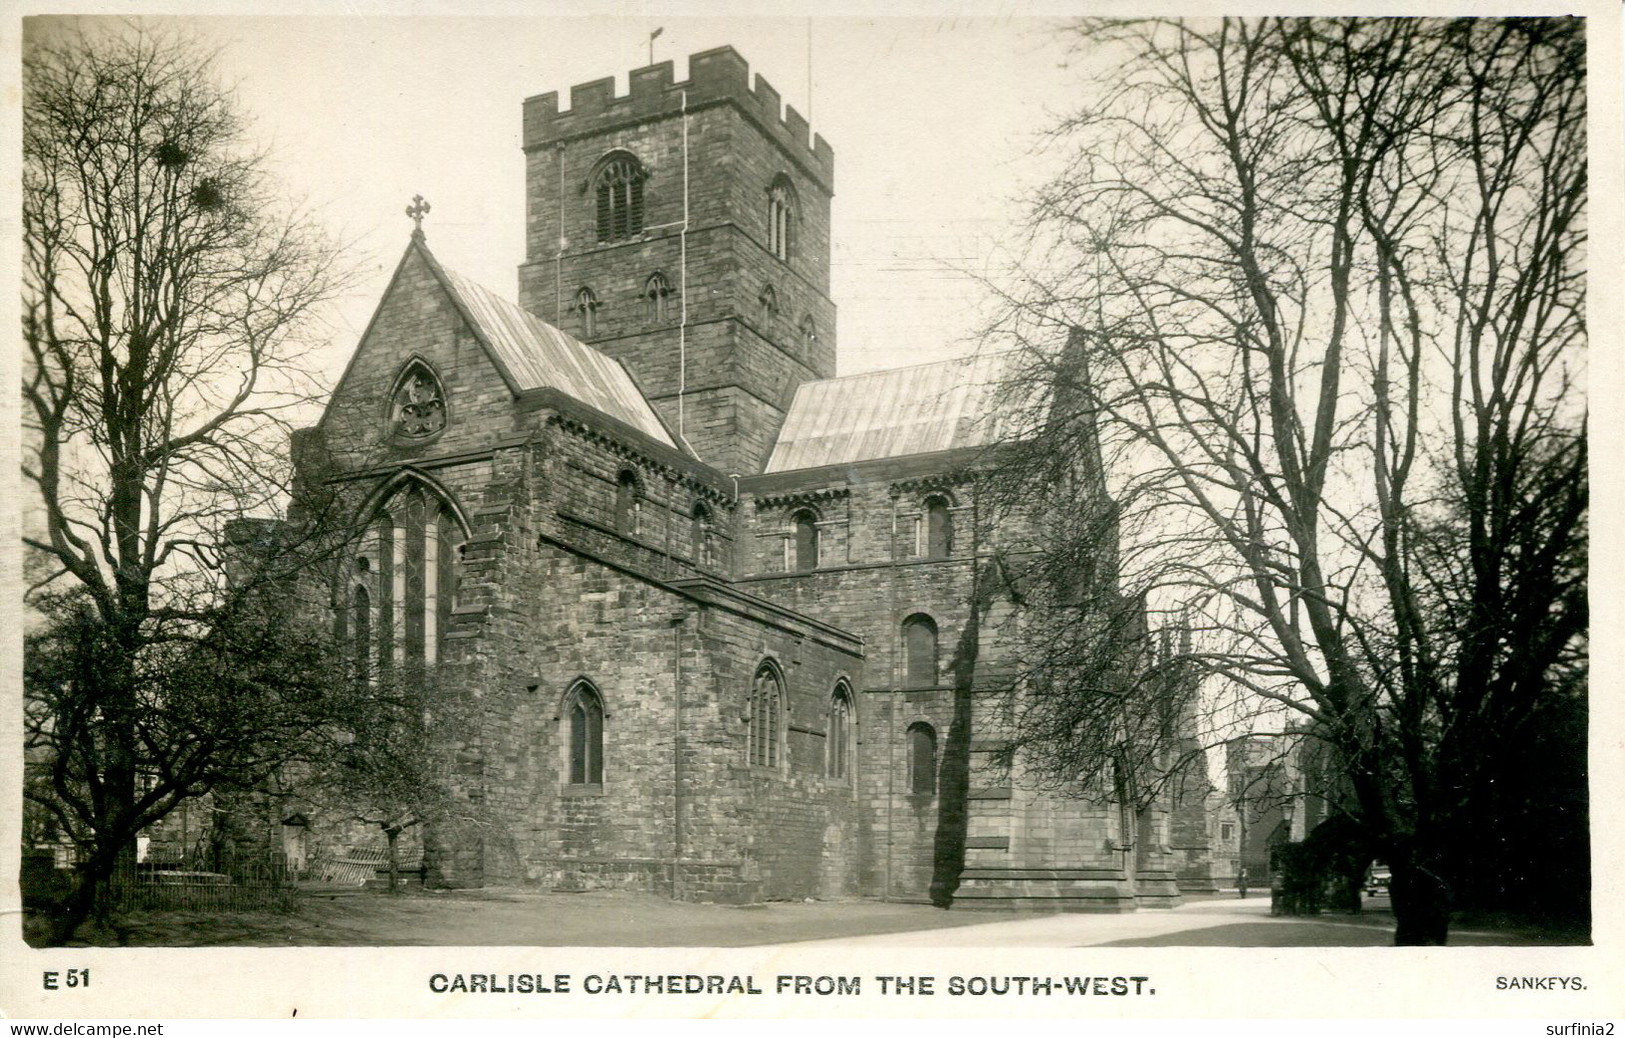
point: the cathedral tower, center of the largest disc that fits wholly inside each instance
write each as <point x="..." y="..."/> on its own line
<point x="684" y="230"/>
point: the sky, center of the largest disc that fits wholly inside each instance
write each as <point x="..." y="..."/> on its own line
<point x="933" y="122"/>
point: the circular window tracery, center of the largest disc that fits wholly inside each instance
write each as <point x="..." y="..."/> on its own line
<point x="419" y="407"/>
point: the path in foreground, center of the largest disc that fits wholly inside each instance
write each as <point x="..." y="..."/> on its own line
<point x="615" y="919"/>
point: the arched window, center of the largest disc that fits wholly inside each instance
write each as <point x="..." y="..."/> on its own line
<point x="766" y="706"/>
<point x="839" y="752"/>
<point x="586" y="309"/>
<point x="628" y="503"/>
<point x="809" y="334"/>
<point x="619" y="193"/>
<point x="406" y="581"/>
<point x="939" y="529"/>
<point x="806" y="540"/>
<point x="699" y="535"/>
<point x="768" y="300"/>
<point x="417" y="407"/>
<point x="920" y="649"/>
<point x="922" y="759"/>
<point x="655" y="293"/>
<point x="584" y="718"/>
<point x="781" y="209"/>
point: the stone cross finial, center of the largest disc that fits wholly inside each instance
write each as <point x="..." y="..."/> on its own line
<point x="417" y="211"/>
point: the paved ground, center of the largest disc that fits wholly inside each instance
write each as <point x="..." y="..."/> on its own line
<point x="1227" y="922"/>
<point x="612" y="919"/>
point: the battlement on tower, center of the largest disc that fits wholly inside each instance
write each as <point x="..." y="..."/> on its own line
<point x="718" y="75"/>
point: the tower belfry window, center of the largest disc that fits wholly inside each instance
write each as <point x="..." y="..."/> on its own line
<point x="619" y="194"/>
<point x="656" y="292"/>
<point x="586" y="308"/>
<point x="781" y="209"/>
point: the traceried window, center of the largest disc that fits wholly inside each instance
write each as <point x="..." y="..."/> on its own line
<point x="618" y="191"/>
<point x="920" y="649"/>
<point x="418" y="405"/>
<point x="804" y="547"/>
<point x="405" y="582"/>
<point x="628" y="502"/>
<point x="656" y="292"/>
<point x="584" y="719"/>
<point x="922" y="759"/>
<point x="939" y="529"/>
<point x="586" y="308"/>
<point x="781" y="209"/>
<point x="839" y="743"/>
<point x="766" y="708"/>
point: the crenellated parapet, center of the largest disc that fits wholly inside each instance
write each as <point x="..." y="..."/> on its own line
<point x="718" y="76"/>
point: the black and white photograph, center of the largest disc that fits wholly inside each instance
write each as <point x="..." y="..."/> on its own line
<point x="1030" y="512"/>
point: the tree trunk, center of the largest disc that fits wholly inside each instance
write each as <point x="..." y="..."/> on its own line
<point x="1421" y="900"/>
<point x="953" y="779"/>
<point x="394" y="832"/>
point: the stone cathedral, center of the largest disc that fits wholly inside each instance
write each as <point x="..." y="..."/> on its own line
<point x="707" y="591"/>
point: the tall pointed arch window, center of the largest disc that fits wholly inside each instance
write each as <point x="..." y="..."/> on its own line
<point x="584" y="739"/>
<point x="767" y="300"/>
<point x="586" y="308"/>
<point x="839" y="748"/>
<point x="765" y="714"/>
<point x="656" y="293"/>
<point x="920" y="650"/>
<point x="618" y="194"/>
<point x="406" y="578"/>
<point x="781" y="211"/>
<point x="418" y="404"/>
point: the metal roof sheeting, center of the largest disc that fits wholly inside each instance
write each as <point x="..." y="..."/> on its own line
<point x="939" y="406"/>
<point x="536" y="355"/>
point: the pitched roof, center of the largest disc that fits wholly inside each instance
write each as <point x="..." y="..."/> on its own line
<point x="532" y="354"/>
<point x="938" y="406"/>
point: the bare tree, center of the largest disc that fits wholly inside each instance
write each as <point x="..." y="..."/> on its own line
<point x="166" y="307"/>
<point x="1324" y="286"/>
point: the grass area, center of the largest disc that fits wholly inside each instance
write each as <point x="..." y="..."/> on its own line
<point x="515" y="917"/>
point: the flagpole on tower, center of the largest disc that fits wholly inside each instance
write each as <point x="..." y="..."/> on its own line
<point x="652" y="37"/>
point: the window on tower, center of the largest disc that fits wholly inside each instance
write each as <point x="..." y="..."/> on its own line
<point x="781" y="209"/>
<point x="586" y="308"/>
<point x="768" y="300"/>
<point x="809" y="334"/>
<point x="618" y="190"/>
<point x="656" y="292"/>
